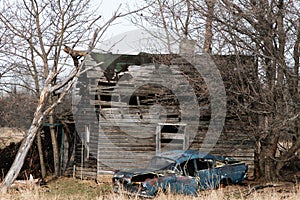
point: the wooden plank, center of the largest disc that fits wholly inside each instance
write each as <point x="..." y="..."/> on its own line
<point x="137" y="129"/>
<point x="136" y="151"/>
<point x="118" y="166"/>
<point x="128" y="155"/>
<point x="94" y="74"/>
<point x="126" y="136"/>
<point x="172" y="136"/>
<point x="131" y="161"/>
<point x="158" y="139"/>
<point x="132" y="144"/>
<point x="118" y="120"/>
<point x="108" y="103"/>
<point x="171" y="124"/>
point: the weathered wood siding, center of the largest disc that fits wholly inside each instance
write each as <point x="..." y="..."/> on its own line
<point x="122" y="115"/>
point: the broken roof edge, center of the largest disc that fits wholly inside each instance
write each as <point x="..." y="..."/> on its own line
<point x="167" y="54"/>
<point x="139" y="59"/>
<point x="165" y="58"/>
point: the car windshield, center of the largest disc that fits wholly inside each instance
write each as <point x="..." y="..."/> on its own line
<point x="160" y="163"/>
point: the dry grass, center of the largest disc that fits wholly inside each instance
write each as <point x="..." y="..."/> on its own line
<point x="74" y="189"/>
<point x="9" y="135"/>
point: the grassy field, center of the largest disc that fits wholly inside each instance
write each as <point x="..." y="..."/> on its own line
<point x="75" y="189"/>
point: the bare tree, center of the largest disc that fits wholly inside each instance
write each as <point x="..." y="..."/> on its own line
<point x="208" y="26"/>
<point x="267" y="92"/>
<point x="33" y="40"/>
<point x="39" y="30"/>
<point x="266" y="29"/>
<point x="177" y="19"/>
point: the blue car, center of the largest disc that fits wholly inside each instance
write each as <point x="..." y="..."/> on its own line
<point x="183" y="172"/>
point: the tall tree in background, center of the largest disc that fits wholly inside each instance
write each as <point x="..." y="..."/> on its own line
<point x="268" y="93"/>
<point x="174" y="20"/>
<point x="268" y="31"/>
<point x="33" y="42"/>
<point x="33" y="36"/>
<point x="207" y="47"/>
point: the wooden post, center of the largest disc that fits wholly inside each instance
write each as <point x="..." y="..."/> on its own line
<point x="41" y="155"/>
<point x="186" y="139"/>
<point x="158" y="139"/>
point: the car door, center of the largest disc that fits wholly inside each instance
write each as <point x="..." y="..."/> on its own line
<point x="189" y="168"/>
<point x="179" y="183"/>
<point x="207" y="174"/>
<point x="184" y="182"/>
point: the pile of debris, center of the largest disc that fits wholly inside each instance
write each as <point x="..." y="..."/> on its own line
<point x="10" y="141"/>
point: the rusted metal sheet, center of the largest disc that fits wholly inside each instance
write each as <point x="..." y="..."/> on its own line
<point x="173" y="183"/>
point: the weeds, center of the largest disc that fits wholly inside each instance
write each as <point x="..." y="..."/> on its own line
<point x="74" y="189"/>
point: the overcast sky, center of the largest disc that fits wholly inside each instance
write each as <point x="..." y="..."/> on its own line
<point x="107" y="9"/>
<point x="123" y="36"/>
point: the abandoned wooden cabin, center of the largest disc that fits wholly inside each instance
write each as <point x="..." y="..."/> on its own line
<point x="129" y="107"/>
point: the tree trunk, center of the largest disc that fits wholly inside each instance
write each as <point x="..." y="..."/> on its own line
<point x="54" y="141"/>
<point x="208" y="26"/>
<point x="164" y="24"/>
<point x="266" y="159"/>
<point x="37" y="121"/>
<point x="41" y="155"/>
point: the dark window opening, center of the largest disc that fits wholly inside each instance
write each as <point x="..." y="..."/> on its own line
<point x="105" y="97"/>
<point x="105" y="106"/>
<point x="174" y="141"/>
<point x="169" y="129"/>
<point x="173" y="116"/>
<point x="188" y="168"/>
<point x="143" y="177"/>
<point x="103" y="84"/>
<point x="133" y="100"/>
<point x="204" y="164"/>
<point x="172" y="129"/>
<point x="151" y="95"/>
